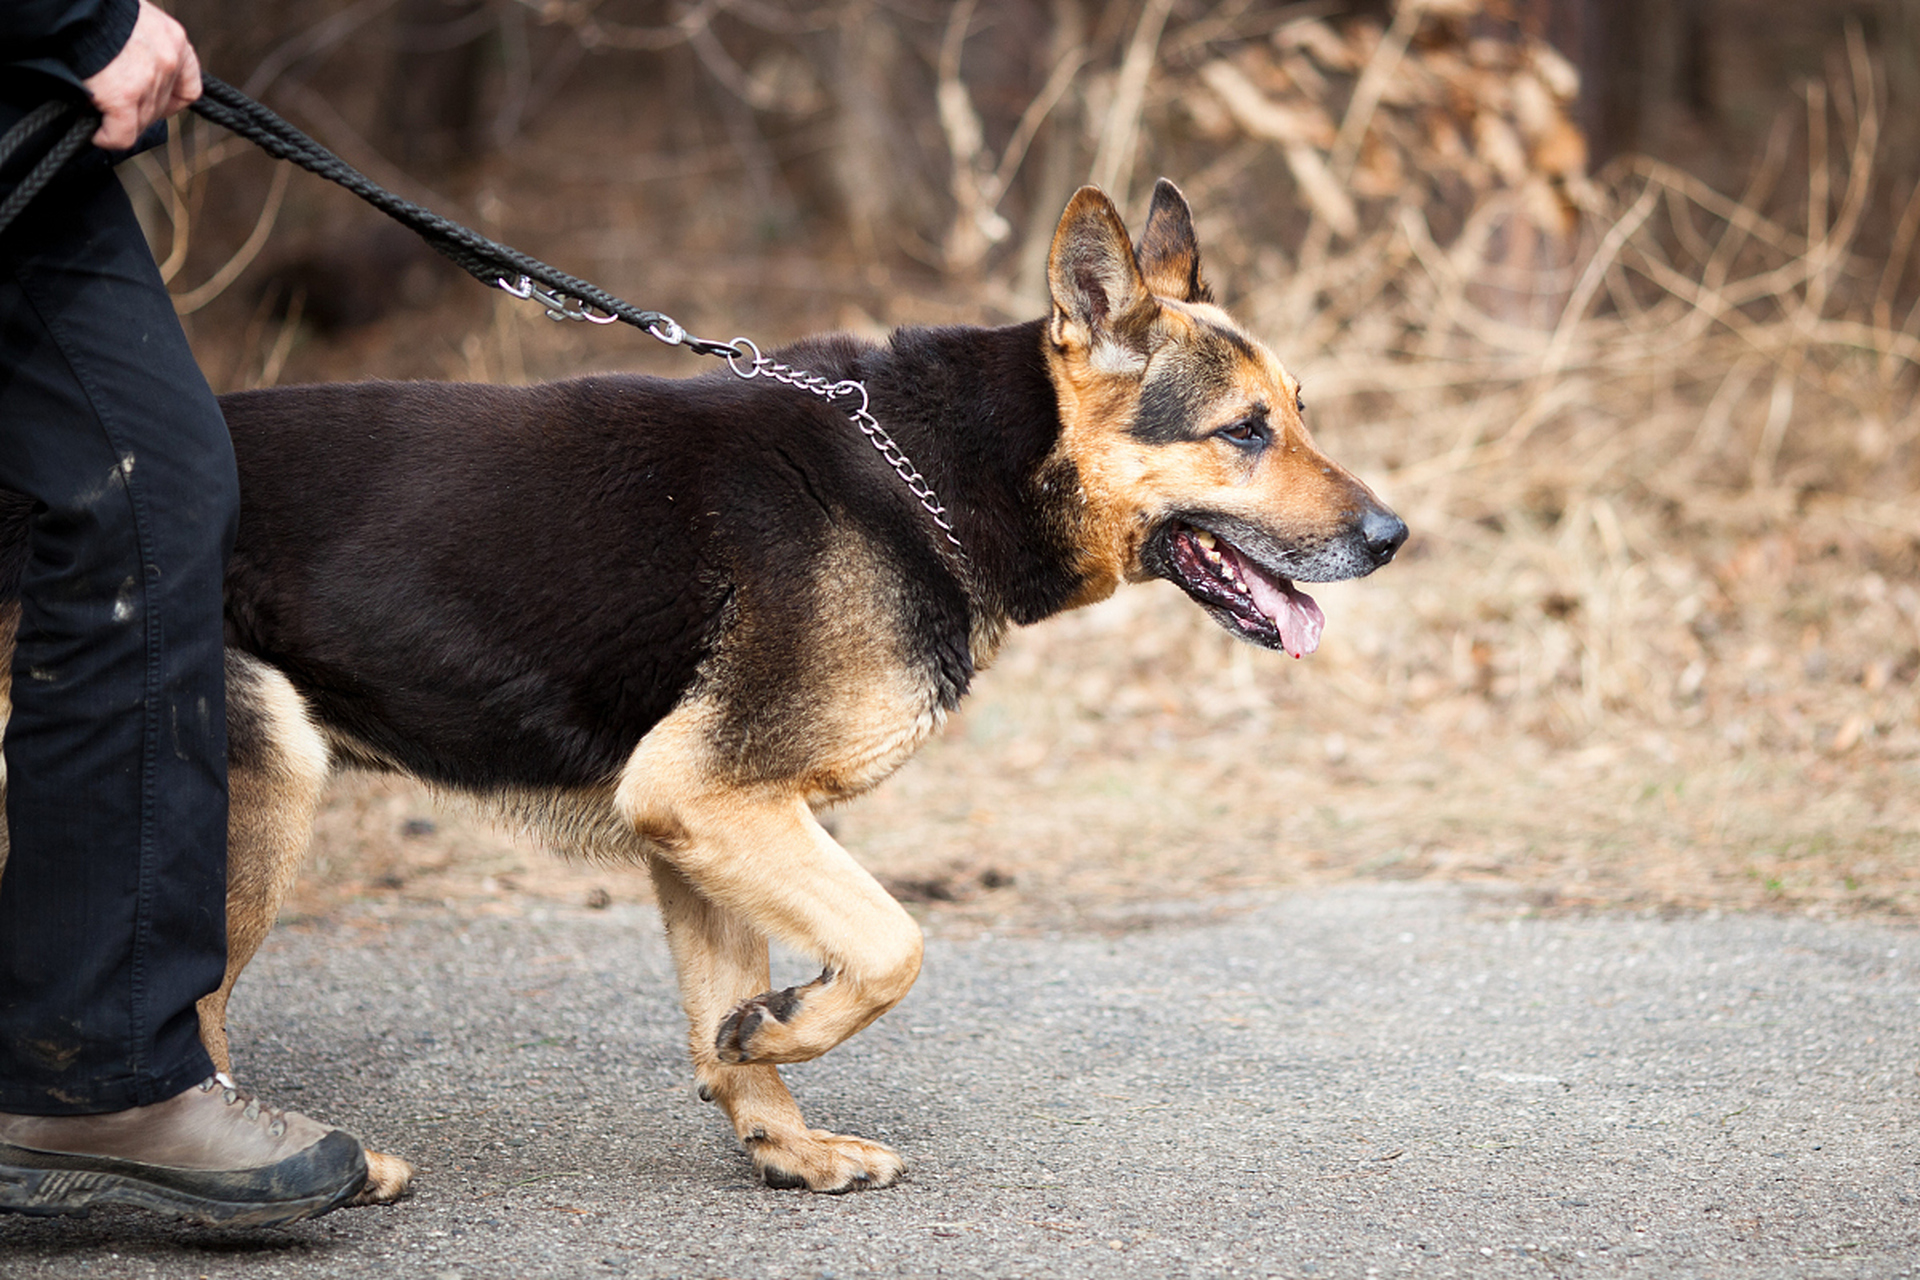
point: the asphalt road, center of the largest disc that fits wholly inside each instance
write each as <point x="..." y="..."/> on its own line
<point x="1375" y="1081"/>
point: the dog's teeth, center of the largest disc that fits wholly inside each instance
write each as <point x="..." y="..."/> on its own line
<point x="1205" y="539"/>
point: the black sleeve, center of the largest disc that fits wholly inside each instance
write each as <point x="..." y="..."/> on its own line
<point x="67" y="40"/>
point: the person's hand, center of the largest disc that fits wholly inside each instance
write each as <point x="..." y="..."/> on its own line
<point x="152" y="78"/>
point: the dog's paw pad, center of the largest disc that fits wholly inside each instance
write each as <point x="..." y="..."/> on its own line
<point x="827" y="1163"/>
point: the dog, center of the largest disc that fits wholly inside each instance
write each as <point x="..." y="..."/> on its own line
<point x="668" y="621"/>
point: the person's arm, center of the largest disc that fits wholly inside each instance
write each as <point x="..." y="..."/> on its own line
<point x="67" y="39"/>
<point x="153" y="77"/>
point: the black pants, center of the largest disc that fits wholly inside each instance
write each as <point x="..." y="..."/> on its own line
<point x="113" y="902"/>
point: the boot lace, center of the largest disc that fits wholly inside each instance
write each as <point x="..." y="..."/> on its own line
<point x="276" y="1119"/>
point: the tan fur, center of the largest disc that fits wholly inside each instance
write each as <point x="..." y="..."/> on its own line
<point x="723" y="891"/>
<point x="868" y="709"/>
<point x="270" y="820"/>
<point x="811" y="895"/>
<point x="722" y="961"/>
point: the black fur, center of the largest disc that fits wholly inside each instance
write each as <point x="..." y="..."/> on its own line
<point x="248" y="744"/>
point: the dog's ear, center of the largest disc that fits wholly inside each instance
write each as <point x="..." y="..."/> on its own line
<point x="1100" y="300"/>
<point x="1169" y="255"/>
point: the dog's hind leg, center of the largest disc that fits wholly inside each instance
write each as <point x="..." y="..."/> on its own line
<point x="277" y="768"/>
<point x="722" y="962"/>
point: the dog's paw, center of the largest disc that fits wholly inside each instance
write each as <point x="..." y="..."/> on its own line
<point x="389" y="1178"/>
<point x="760" y="1029"/>
<point x="756" y="1019"/>
<point x="829" y="1163"/>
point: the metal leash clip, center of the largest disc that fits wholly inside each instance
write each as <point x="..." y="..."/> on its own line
<point x="667" y="330"/>
<point x="559" y="306"/>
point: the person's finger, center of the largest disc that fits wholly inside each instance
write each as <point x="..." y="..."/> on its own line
<point x="119" y="128"/>
<point x="187" y="86"/>
<point x="153" y="77"/>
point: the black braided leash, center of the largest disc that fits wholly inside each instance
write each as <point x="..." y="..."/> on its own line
<point x="485" y="260"/>
<point x="563" y="296"/>
<point x="64" y="148"/>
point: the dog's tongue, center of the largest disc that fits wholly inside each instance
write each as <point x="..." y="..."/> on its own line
<point x="1292" y="610"/>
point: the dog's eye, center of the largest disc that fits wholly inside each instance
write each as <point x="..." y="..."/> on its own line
<point x="1299" y="404"/>
<point x="1245" y="431"/>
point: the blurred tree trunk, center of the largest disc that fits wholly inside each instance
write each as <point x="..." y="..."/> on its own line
<point x="1900" y="46"/>
<point x="1638" y="61"/>
<point x="864" y="161"/>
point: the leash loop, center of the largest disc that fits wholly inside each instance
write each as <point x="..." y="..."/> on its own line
<point x="755" y="362"/>
<point x="666" y="329"/>
<point x="58" y="152"/>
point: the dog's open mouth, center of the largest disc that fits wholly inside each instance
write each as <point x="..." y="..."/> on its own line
<point x="1265" y="608"/>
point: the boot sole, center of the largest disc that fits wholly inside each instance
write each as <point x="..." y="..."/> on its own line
<point x="76" y="1191"/>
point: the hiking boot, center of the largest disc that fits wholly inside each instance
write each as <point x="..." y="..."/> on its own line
<point x="212" y="1154"/>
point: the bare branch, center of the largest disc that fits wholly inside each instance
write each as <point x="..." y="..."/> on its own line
<point x="1120" y="134"/>
<point x="191" y="301"/>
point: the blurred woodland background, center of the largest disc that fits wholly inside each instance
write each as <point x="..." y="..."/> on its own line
<point x="1614" y="300"/>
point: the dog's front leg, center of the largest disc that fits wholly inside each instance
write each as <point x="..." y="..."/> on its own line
<point x="722" y="962"/>
<point x="752" y="848"/>
<point x="739" y="861"/>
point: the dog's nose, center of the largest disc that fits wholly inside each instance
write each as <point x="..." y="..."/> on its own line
<point x="1383" y="533"/>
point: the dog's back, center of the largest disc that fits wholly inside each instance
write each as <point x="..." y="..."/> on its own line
<point x="431" y="565"/>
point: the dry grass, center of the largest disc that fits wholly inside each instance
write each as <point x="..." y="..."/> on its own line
<point x="1656" y="639"/>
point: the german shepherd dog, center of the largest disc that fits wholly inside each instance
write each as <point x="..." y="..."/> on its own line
<point x="666" y="621"/>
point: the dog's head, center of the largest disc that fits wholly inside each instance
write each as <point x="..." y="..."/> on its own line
<point x="1187" y="438"/>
